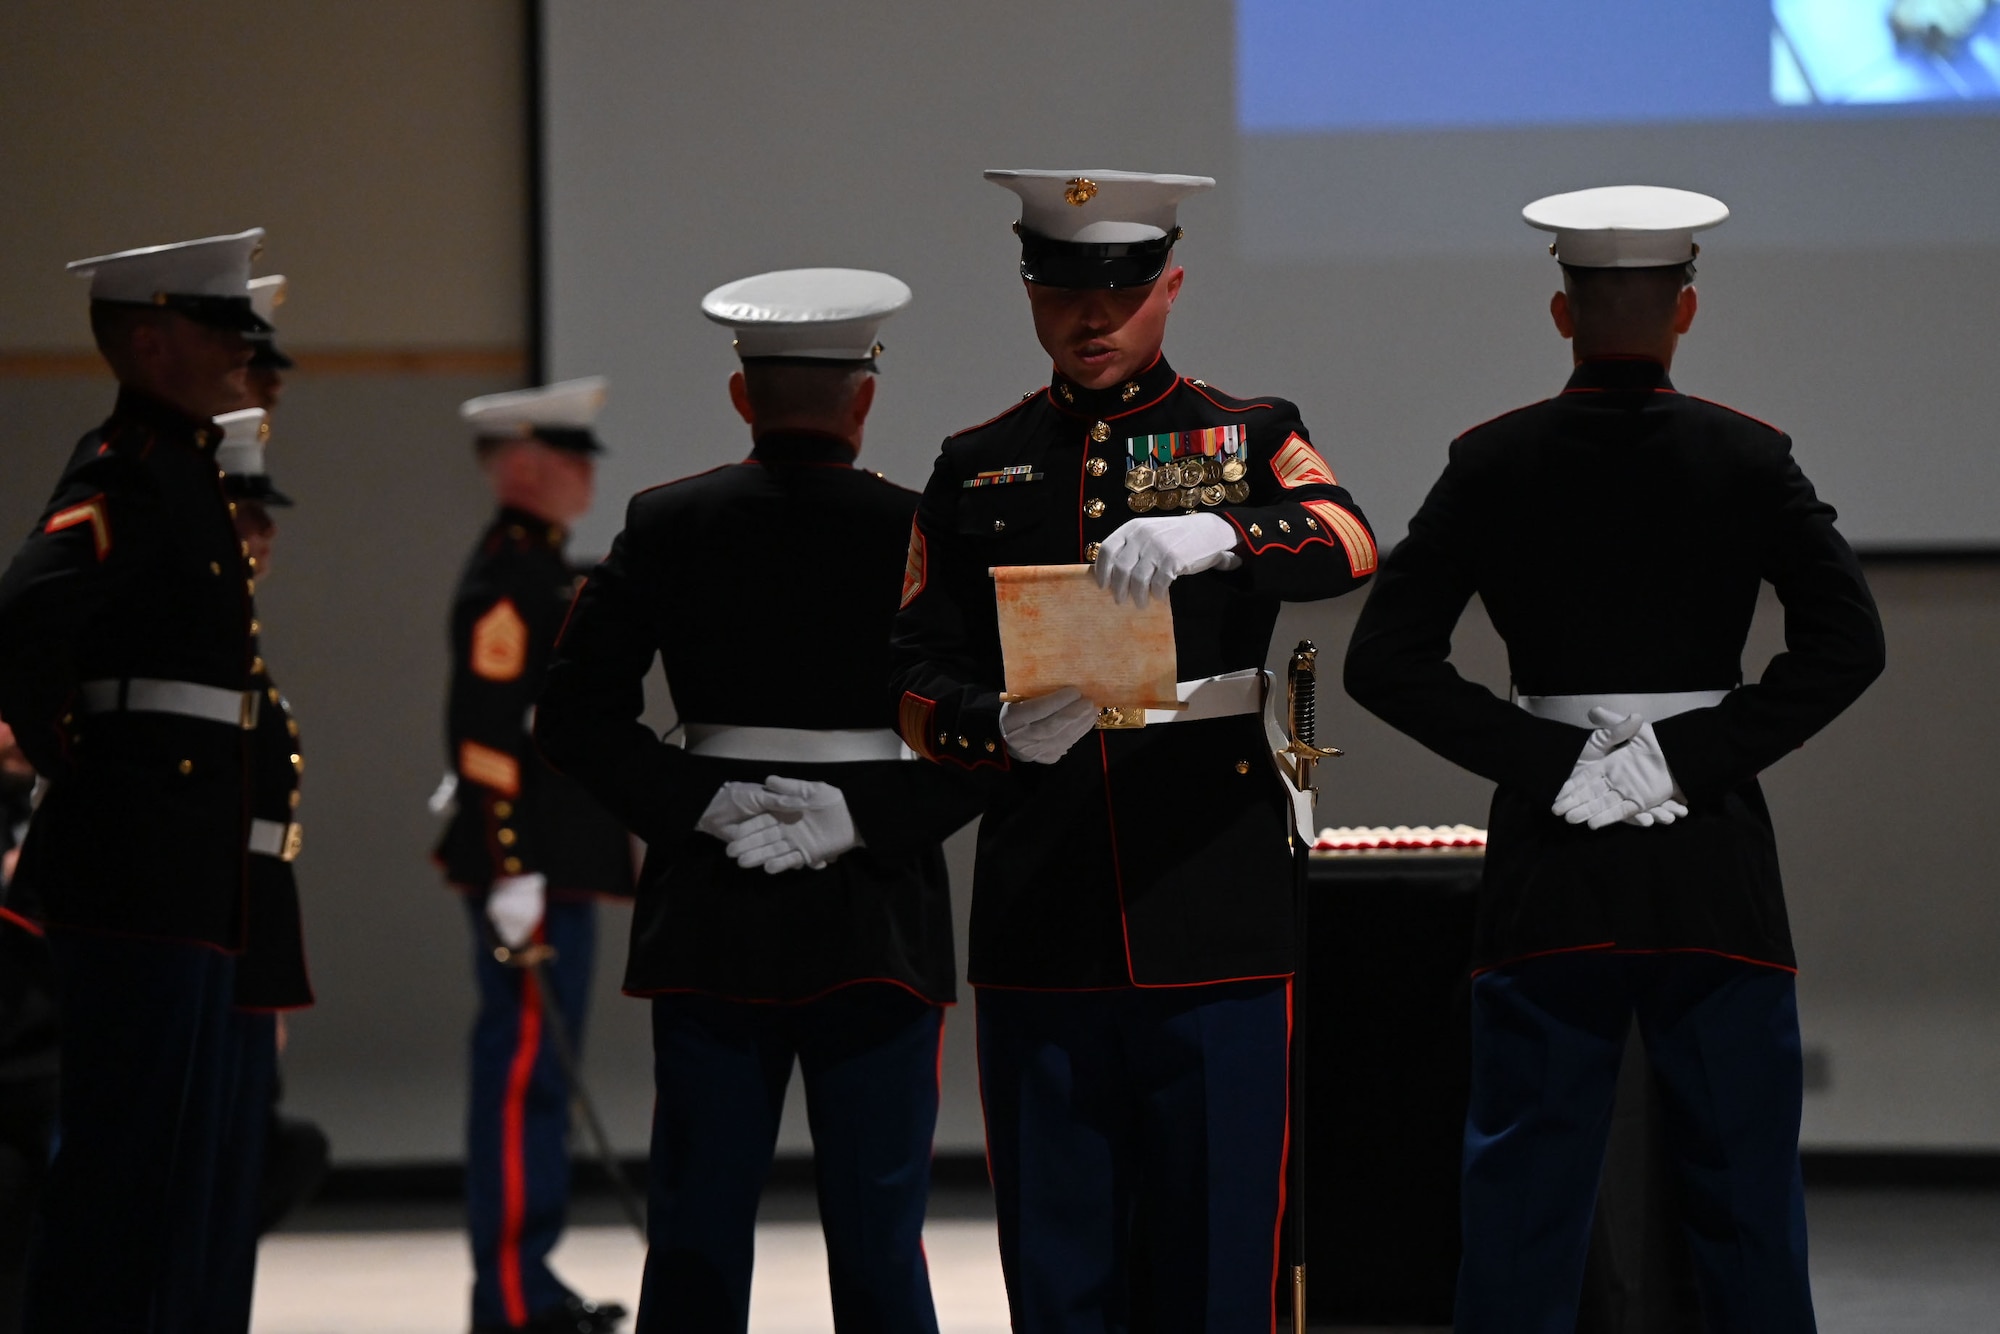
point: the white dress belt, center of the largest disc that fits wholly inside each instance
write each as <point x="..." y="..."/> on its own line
<point x="1223" y="696"/>
<point x="796" y="745"/>
<point x="1575" y="709"/>
<point x="274" y="838"/>
<point x="139" y="694"/>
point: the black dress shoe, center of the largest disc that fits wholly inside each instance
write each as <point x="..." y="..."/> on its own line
<point x="574" y="1316"/>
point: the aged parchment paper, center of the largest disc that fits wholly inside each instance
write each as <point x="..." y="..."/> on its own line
<point x="1058" y="628"/>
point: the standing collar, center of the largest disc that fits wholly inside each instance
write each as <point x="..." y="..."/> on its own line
<point x="1601" y="375"/>
<point x="524" y="526"/>
<point x="1142" y="390"/>
<point x="816" y="447"/>
<point x="142" y="409"/>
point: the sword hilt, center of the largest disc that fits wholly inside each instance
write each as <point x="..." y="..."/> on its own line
<point x="525" y="957"/>
<point x="1302" y="752"/>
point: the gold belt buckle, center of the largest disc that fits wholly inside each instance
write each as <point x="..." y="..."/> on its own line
<point x="295" y="838"/>
<point x="252" y="708"/>
<point x="1109" y="720"/>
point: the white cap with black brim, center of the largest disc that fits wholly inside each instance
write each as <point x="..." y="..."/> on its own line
<point x="207" y="280"/>
<point x="1097" y="228"/>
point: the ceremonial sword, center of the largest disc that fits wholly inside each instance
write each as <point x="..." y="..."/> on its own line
<point x="1296" y="761"/>
<point x="533" y="960"/>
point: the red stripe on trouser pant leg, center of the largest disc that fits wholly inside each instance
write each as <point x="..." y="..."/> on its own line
<point x="1284" y="1164"/>
<point x="513" y="1155"/>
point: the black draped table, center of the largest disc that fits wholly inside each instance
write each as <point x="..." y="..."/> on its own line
<point x="1387" y="1051"/>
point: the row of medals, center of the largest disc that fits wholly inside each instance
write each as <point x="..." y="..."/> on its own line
<point x="1186" y="483"/>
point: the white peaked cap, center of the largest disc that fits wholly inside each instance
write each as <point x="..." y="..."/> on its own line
<point x="241" y="453"/>
<point x="817" y="314"/>
<point x="1099" y="207"/>
<point x="569" y="405"/>
<point x="266" y="295"/>
<point x="1625" y="226"/>
<point x="216" y="266"/>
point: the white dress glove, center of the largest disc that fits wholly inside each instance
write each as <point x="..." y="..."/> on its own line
<point x="1041" y="730"/>
<point x="1144" y="557"/>
<point x="514" y="906"/>
<point x="1621" y="775"/>
<point x="804" y="823"/>
<point x="732" y="804"/>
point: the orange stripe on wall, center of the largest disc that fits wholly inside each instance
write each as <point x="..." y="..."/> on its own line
<point x="503" y="361"/>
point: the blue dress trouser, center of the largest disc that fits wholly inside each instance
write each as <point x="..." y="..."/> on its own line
<point x="1137" y="1144"/>
<point x="869" y="1056"/>
<point x="250" y="1070"/>
<point x="517" y="1125"/>
<point x="1722" y="1037"/>
<point x="125" y="1238"/>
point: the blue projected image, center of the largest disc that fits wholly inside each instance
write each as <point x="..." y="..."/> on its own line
<point x="1315" y="65"/>
<point x="1827" y="52"/>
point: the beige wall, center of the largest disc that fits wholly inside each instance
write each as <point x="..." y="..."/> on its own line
<point x="381" y="143"/>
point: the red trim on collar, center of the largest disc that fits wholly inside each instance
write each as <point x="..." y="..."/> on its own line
<point x="1163" y="395"/>
<point x="1069" y="410"/>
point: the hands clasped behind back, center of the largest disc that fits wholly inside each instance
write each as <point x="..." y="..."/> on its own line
<point x="1621" y="776"/>
<point x="781" y="824"/>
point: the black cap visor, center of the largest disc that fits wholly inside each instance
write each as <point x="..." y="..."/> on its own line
<point x="218" y="312"/>
<point x="265" y="355"/>
<point x="569" y="440"/>
<point x="246" y="486"/>
<point x="1090" y="264"/>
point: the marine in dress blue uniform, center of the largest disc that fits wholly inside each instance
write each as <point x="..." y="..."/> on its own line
<point x="1132" y="932"/>
<point x="126" y="670"/>
<point x="28" y="1035"/>
<point x="271" y="972"/>
<point x="1631" y="868"/>
<point x="529" y="850"/>
<point x="794" y="904"/>
<point x="296" y="1150"/>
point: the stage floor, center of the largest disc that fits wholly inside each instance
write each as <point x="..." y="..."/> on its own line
<point x="1884" y="1262"/>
